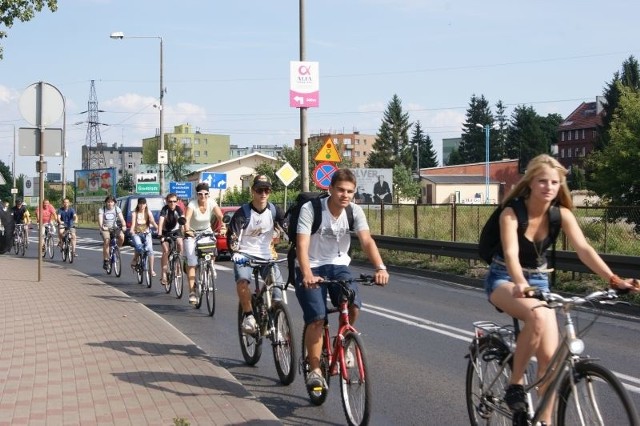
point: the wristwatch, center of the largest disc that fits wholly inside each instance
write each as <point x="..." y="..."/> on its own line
<point x="381" y="267"/>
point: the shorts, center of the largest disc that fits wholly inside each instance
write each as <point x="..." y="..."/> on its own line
<point x="498" y="275"/>
<point x="243" y="272"/>
<point x="106" y="235"/>
<point x="313" y="300"/>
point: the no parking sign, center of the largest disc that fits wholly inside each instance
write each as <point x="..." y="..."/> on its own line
<point x="322" y="174"/>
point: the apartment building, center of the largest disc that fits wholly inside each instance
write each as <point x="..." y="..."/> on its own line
<point x="578" y="132"/>
<point x="200" y="148"/>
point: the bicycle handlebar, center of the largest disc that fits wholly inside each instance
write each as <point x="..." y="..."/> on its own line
<point x="364" y="280"/>
<point x="556" y="300"/>
<point x="254" y="261"/>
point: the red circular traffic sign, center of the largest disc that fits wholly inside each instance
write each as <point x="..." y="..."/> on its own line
<point x="322" y="174"/>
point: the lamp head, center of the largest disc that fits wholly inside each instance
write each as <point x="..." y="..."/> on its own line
<point x="118" y="35"/>
<point x="479" y="126"/>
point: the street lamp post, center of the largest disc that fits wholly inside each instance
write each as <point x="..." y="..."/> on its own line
<point x="119" y="35"/>
<point x="487" y="129"/>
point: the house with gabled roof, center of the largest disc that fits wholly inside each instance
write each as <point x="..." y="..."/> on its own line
<point x="578" y="132"/>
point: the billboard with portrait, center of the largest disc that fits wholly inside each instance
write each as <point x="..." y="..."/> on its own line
<point x="94" y="184"/>
<point x="374" y="186"/>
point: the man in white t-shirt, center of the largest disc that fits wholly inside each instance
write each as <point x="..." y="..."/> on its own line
<point x="325" y="254"/>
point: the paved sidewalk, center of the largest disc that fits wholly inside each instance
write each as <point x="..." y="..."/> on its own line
<point x="74" y="350"/>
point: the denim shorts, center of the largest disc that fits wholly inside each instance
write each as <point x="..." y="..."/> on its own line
<point x="244" y="272"/>
<point x="498" y="275"/>
<point x="313" y="300"/>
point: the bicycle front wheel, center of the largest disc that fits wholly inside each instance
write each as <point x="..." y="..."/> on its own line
<point x="487" y="379"/>
<point x="64" y="251"/>
<point x="147" y="270"/>
<point x="594" y="396"/>
<point x="250" y="344"/>
<point x="355" y="387"/>
<point x="17" y="242"/>
<point x="177" y="276"/>
<point x="283" y="344"/>
<point x="70" y="254"/>
<point x="116" y="260"/>
<point x="210" y="288"/>
<point x="50" y="251"/>
<point x="199" y="286"/>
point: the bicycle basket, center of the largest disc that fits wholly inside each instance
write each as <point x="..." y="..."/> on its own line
<point x="206" y="246"/>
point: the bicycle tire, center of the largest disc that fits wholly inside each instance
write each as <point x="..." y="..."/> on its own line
<point x="109" y="267"/>
<point x="250" y="344"/>
<point x="23" y="248"/>
<point x="138" y="270"/>
<point x="485" y="406"/>
<point x="178" y="276"/>
<point x="198" y="284"/>
<point x="356" y="387"/>
<point x="168" y="277"/>
<point x="316" y="397"/>
<point x="70" y="254"/>
<point x="283" y="344"/>
<point x="50" y="251"/>
<point x="210" y="288"/>
<point x="64" y="250"/>
<point x="146" y="270"/>
<point x="17" y="242"/>
<point x="602" y="398"/>
<point x="117" y="261"/>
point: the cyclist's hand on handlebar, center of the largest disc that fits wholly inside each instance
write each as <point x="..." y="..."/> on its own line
<point x="239" y="259"/>
<point x="311" y="282"/>
<point x="522" y="290"/>
<point x="624" y="286"/>
<point x="381" y="277"/>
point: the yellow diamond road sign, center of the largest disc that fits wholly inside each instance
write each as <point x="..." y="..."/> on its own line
<point x="287" y="174"/>
<point x="328" y="152"/>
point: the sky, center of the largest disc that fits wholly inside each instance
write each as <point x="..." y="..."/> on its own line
<point x="226" y="64"/>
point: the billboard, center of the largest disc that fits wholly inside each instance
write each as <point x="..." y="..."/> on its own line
<point x="95" y="184"/>
<point x="304" y="85"/>
<point x="374" y="186"/>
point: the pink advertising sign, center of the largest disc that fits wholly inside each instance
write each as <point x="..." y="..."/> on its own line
<point x="304" y="90"/>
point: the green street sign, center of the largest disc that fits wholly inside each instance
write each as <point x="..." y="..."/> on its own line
<point x="148" y="188"/>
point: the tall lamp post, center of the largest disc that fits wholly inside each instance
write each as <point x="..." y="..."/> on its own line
<point x="487" y="129"/>
<point x="119" y="35"/>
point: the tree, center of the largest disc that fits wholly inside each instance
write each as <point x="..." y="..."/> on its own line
<point x="526" y="135"/>
<point x="614" y="167"/>
<point x="454" y="158"/>
<point x="392" y="140"/>
<point x="404" y="186"/>
<point x="126" y="183"/>
<point x="23" y="10"/>
<point x="150" y="152"/>
<point x="628" y="77"/>
<point x="498" y="149"/>
<point x="576" y="179"/>
<point x="178" y="161"/>
<point x="426" y="153"/>
<point x="472" y="146"/>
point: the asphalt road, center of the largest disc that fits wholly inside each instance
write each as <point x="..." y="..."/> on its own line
<point x="416" y="332"/>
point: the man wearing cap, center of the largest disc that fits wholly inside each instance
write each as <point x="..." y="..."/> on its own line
<point x="200" y="213"/>
<point x="251" y="231"/>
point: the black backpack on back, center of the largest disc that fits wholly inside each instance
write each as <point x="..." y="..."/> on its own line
<point x="293" y="214"/>
<point x="490" y="235"/>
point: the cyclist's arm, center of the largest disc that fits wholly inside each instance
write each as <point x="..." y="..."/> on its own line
<point x="302" y="254"/>
<point x="134" y="220"/>
<point x="122" y="221"/>
<point x="161" y="225"/>
<point x="187" y="225"/>
<point x="217" y="213"/>
<point x="369" y="246"/>
<point x="585" y="252"/>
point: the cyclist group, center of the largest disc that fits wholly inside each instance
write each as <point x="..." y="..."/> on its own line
<point x="65" y="217"/>
<point x="520" y="261"/>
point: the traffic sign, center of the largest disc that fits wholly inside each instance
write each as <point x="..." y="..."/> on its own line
<point x="322" y="174"/>
<point x="41" y="104"/>
<point x="181" y="189"/>
<point x="287" y="174"/>
<point x="328" y="152"/>
<point x="215" y="180"/>
<point x="147" y="188"/>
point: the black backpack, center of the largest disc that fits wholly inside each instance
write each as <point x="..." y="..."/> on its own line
<point x="293" y="214"/>
<point x="490" y="236"/>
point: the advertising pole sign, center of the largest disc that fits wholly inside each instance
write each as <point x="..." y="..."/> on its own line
<point x="304" y="88"/>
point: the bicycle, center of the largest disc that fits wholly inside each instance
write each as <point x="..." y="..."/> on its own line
<point x="141" y="267"/>
<point x="19" y="243"/>
<point x="585" y="392"/>
<point x="66" y="247"/>
<point x="47" y="244"/>
<point x="115" y="260"/>
<point x="273" y="319"/>
<point x="175" y="275"/>
<point x="205" y="272"/>
<point x="355" y="385"/>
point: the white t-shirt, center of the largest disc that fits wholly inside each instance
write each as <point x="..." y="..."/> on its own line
<point x="201" y="221"/>
<point x="257" y="237"/>
<point x="109" y="217"/>
<point x="330" y="244"/>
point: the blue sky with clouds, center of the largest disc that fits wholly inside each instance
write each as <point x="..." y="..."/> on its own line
<point x="226" y="63"/>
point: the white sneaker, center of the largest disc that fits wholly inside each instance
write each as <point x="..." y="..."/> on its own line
<point x="249" y="325"/>
<point x="192" y="298"/>
<point x="349" y="359"/>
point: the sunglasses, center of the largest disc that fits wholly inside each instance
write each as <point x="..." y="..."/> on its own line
<point x="172" y="201"/>
<point x="203" y="194"/>
<point x="263" y="191"/>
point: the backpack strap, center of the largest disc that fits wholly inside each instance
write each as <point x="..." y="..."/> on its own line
<point x="246" y="211"/>
<point x="316" y="203"/>
<point x="350" y="219"/>
<point x="555" y="224"/>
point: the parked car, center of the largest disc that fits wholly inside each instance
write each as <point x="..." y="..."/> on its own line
<point x="128" y="204"/>
<point x="222" y="246"/>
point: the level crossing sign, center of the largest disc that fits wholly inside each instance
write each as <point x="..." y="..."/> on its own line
<point x="215" y="180"/>
<point x="322" y="174"/>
